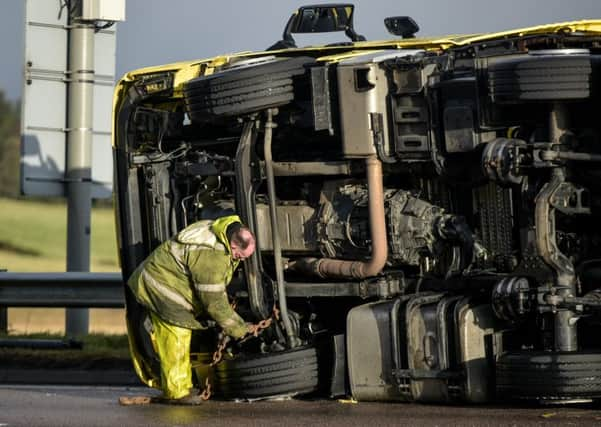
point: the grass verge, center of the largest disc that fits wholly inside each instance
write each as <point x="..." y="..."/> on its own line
<point x="99" y="351"/>
<point x="33" y="236"/>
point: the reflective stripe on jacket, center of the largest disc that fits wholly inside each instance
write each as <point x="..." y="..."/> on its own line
<point x="185" y="278"/>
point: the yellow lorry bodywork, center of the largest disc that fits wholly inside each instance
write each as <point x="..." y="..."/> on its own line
<point x="187" y="70"/>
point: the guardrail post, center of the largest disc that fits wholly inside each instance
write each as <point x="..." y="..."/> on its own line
<point x="3" y="320"/>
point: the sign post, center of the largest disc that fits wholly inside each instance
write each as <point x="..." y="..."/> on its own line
<point x="67" y="102"/>
<point x="78" y="173"/>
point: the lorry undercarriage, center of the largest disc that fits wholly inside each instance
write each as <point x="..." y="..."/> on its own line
<point x="426" y="216"/>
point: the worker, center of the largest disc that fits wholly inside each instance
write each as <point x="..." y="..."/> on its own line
<point x="182" y="284"/>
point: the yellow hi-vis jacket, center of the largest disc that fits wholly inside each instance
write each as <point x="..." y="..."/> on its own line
<point x="185" y="278"/>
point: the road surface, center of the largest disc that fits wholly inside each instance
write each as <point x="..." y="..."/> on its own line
<point x="98" y="406"/>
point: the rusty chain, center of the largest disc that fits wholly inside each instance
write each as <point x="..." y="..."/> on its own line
<point x="256" y="329"/>
<point x="206" y="393"/>
<point x="217" y="357"/>
<point x="253" y="330"/>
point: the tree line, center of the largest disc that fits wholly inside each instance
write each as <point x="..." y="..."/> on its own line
<point x="10" y="128"/>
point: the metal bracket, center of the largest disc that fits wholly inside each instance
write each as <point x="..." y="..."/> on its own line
<point x="569" y="199"/>
<point x="424" y="374"/>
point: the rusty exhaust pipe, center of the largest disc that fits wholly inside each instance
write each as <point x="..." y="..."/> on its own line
<point x="335" y="268"/>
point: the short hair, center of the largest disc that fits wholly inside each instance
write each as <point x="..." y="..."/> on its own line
<point x="240" y="234"/>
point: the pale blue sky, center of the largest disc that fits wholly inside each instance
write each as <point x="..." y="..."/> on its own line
<point x="162" y="31"/>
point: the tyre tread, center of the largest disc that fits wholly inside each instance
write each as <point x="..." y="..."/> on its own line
<point x="243" y="91"/>
<point x="288" y="372"/>
<point x="540" y="78"/>
<point x="544" y="376"/>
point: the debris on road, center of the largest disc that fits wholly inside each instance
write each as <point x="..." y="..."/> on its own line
<point x="134" y="400"/>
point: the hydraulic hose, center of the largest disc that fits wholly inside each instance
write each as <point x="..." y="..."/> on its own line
<point x="275" y="237"/>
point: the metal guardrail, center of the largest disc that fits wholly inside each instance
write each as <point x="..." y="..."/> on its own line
<point x="73" y="289"/>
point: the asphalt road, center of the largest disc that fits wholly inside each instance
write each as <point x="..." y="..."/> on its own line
<point x="98" y="406"/>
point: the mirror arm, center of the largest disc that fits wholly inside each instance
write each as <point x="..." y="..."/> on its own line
<point x="287" y="38"/>
<point x="351" y="34"/>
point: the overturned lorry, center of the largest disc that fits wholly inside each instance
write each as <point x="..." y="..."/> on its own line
<point x="426" y="210"/>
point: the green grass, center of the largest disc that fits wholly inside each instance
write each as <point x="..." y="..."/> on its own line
<point x="33" y="236"/>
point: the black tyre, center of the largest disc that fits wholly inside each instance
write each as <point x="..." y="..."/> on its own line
<point x="290" y="372"/>
<point x="540" y="78"/>
<point x="549" y="376"/>
<point x="243" y="90"/>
